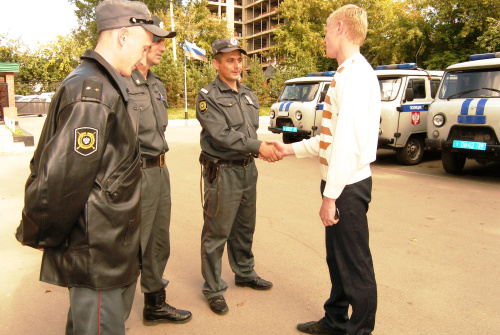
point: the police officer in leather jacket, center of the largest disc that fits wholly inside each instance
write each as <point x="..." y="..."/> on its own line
<point x="82" y="198"/>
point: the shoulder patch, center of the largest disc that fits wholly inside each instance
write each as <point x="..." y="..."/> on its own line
<point x="204" y="90"/>
<point x="92" y="90"/>
<point x="202" y="105"/>
<point x="86" y="140"/>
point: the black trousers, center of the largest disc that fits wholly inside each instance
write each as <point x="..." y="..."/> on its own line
<point x="350" y="263"/>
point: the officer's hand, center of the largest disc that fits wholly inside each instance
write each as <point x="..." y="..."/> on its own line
<point x="328" y="211"/>
<point x="284" y="149"/>
<point x="269" y="153"/>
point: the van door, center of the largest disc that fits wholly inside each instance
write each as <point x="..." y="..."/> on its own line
<point x="413" y="114"/>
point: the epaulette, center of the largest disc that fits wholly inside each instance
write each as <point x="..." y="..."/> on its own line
<point x="92" y="90"/>
<point x="206" y="89"/>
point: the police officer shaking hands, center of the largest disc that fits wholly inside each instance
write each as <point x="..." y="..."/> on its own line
<point x="229" y="115"/>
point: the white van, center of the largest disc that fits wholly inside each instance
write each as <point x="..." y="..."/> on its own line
<point x="464" y="120"/>
<point x="299" y="109"/>
<point x="406" y="93"/>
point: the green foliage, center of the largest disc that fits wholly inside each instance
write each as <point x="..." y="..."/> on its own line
<point x="490" y="40"/>
<point x="435" y="34"/>
<point x="256" y="80"/>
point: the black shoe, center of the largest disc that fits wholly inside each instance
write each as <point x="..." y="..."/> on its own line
<point x="317" y="327"/>
<point x="218" y="305"/>
<point x="157" y="310"/>
<point x="256" y="283"/>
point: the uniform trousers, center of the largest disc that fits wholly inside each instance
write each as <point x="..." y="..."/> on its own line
<point x="155" y="226"/>
<point x="350" y="263"/>
<point x="234" y="224"/>
<point x="94" y="312"/>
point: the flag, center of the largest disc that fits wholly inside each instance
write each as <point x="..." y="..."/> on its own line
<point x="193" y="51"/>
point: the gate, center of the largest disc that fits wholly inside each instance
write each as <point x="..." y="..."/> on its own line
<point x="4" y="97"/>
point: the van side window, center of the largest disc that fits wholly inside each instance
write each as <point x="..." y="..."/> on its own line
<point x="434" y="87"/>
<point x="418" y="86"/>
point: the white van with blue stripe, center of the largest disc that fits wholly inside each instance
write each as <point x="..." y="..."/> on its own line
<point x="406" y="92"/>
<point x="299" y="109"/>
<point x="464" y="120"/>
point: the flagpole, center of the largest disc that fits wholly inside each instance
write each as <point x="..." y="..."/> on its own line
<point x="173" y="29"/>
<point x="185" y="90"/>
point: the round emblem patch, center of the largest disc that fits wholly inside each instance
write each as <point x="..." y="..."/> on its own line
<point x="233" y="41"/>
<point x="203" y="106"/>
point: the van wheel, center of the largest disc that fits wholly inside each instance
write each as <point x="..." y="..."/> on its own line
<point x="290" y="138"/>
<point x="452" y="163"/>
<point x="412" y="152"/>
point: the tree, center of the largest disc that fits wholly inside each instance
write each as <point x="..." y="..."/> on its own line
<point x="490" y="40"/>
<point x="455" y="27"/>
<point x="256" y="80"/>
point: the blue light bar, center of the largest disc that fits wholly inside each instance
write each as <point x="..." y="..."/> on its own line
<point x="322" y="74"/>
<point x="485" y="56"/>
<point x="404" y="66"/>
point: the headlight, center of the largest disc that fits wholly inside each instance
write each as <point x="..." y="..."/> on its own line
<point x="298" y="115"/>
<point x="272" y="114"/>
<point x="438" y="120"/>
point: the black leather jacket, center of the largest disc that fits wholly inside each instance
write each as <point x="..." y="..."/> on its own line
<point x="82" y="199"/>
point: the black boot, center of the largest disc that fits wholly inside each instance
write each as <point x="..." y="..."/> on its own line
<point x="157" y="310"/>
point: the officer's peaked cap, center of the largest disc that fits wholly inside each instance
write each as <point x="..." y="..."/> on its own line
<point x="114" y="14"/>
<point x="226" y="45"/>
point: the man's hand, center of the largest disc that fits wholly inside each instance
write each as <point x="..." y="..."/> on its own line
<point x="327" y="212"/>
<point x="284" y="149"/>
<point x="269" y="153"/>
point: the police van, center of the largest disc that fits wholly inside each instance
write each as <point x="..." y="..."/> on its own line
<point x="464" y="120"/>
<point x="406" y="93"/>
<point x="299" y="109"/>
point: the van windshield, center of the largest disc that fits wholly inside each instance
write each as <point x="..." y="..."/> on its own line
<point x="471" y="84"/>
<point x="389" y="88"/>
<point x="299" y="92"/>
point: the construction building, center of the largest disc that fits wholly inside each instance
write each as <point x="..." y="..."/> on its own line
<point x="252" y="21"/>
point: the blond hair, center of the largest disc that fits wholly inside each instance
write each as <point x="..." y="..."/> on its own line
<point x="355" y="21"/>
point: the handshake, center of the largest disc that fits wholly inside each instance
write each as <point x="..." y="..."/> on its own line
<point x="273" y="151"/>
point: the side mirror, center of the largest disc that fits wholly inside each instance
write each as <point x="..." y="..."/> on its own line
<point x="322" y="96"/>
<point x="409" y="95"/>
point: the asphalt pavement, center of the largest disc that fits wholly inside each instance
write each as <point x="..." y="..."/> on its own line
<point x="434" y="239"/>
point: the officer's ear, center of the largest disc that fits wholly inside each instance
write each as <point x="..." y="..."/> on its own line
<point x="123" y="34"/>
<point x="215" y="64"/>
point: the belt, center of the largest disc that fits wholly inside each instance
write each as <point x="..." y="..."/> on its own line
<point x="238" y="162"/>
<point x="153" y="162"/>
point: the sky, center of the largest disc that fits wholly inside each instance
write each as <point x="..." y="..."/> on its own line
<point x="36" y="20"/>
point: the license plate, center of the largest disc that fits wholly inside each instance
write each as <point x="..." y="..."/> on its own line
<point x="290" y="129"/>
<point x="469" y="145"/>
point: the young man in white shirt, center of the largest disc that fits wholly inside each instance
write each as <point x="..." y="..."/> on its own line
<point x="346" y="147"/>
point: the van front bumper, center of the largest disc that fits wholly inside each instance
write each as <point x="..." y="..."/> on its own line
<point x="443" y="144"/>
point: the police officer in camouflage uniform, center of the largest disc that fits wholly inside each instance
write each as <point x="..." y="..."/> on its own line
<point x="148" y="97"/>
<point x="229" y="115"/>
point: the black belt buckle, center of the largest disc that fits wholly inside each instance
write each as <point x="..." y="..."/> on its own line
<point x="161" y="160"/>
<point x="247" y="161"/>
